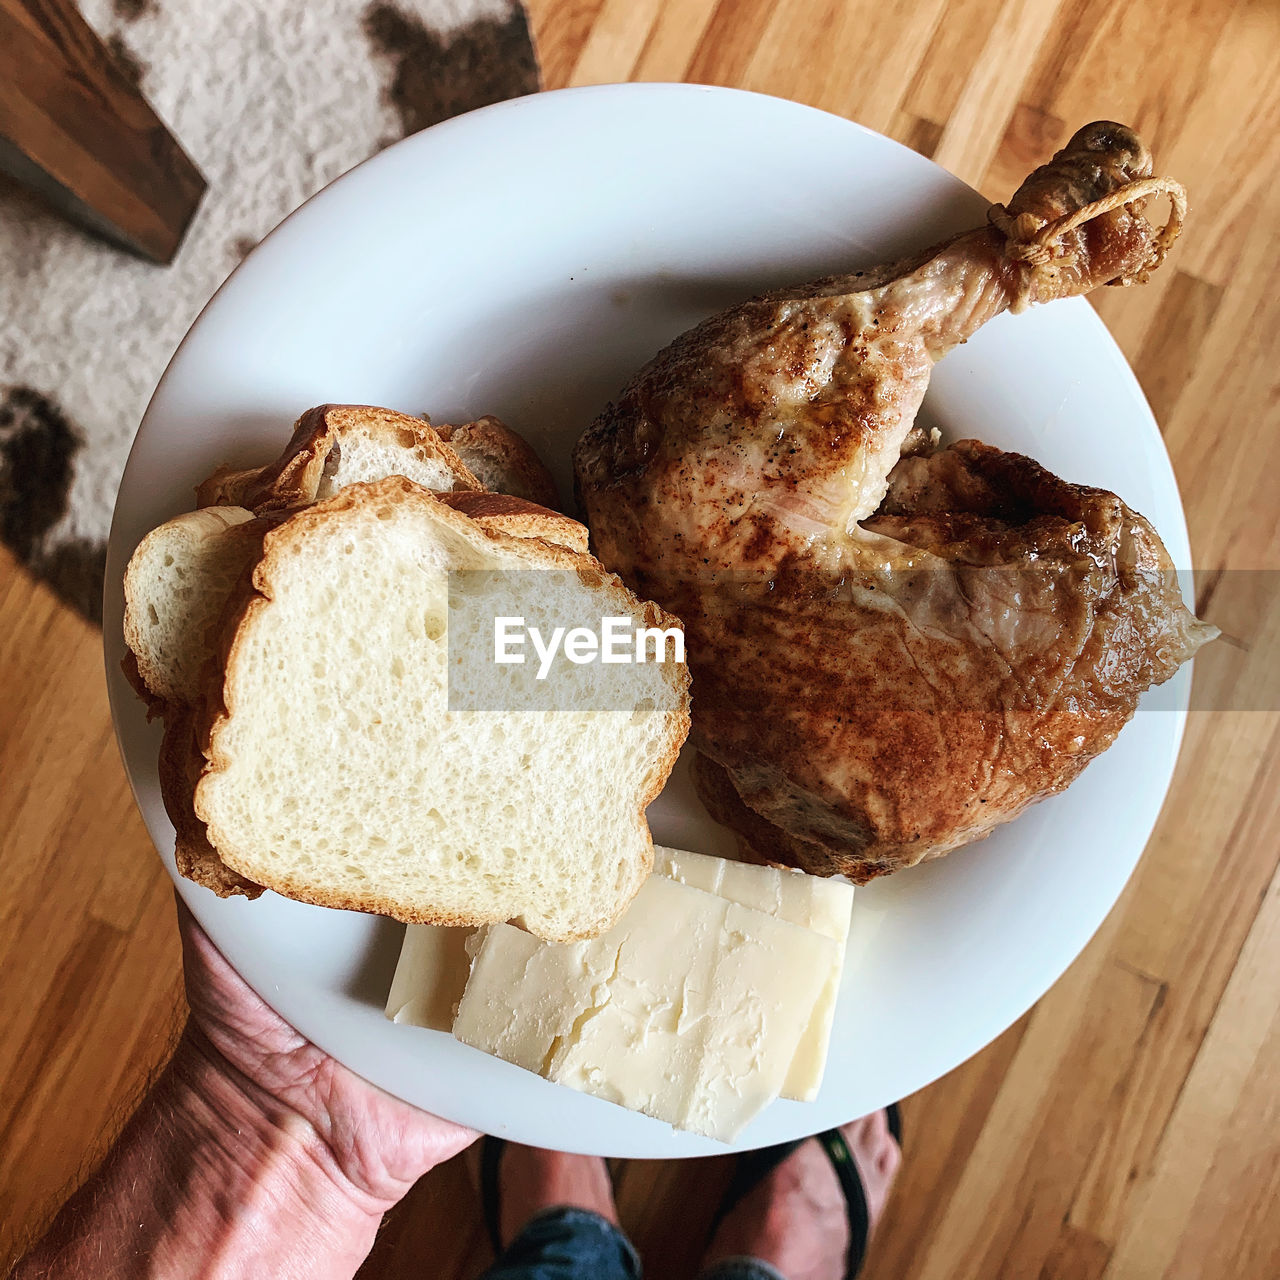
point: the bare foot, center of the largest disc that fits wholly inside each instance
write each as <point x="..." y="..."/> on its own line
<point x="796" y="1218"/>
<point x="532" y="1180"/>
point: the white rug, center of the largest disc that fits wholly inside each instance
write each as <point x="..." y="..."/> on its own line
<point x="272" y="99"/>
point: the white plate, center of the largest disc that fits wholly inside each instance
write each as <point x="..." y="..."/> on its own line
<point x="525" y="260"/>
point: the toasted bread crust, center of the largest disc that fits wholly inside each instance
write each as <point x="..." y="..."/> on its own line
<point x="129" y="666"/>
<point x="181" y="764"/>
<point x="253" y="596"/>
<point x="490" y="440"/>
<point x="296" y="475"/>
<point x="520" y="518"/>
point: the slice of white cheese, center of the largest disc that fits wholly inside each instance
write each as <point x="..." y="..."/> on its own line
<point x="690" y="1009"/>
<point x="811" y="901"/>
<point x="431" y="976"/>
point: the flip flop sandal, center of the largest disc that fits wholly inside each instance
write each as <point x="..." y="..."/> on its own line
<point x="755" y="1166"/>
<point x="491" y="1150"/>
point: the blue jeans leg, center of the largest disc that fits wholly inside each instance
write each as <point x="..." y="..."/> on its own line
<point x="568" y="1244"/>
<point x="741" y="1269"/>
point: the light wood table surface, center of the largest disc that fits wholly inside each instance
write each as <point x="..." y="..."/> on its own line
<point x="1129" y="1126"/>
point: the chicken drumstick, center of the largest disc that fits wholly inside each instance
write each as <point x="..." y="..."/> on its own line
<point x="879" y="680"/>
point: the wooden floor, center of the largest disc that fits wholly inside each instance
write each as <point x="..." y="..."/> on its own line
<point x="1129" y="1127"/>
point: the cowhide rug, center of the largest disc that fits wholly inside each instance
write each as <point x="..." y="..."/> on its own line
<point x="272" y="99"/>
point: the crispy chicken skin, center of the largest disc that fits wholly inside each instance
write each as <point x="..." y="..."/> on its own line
<point x="891" y="654"/>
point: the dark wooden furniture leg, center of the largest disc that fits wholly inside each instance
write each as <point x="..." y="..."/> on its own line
<point x="73" y="127"/>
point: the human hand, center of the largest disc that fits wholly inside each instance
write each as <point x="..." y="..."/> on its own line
<point x="378" y="1144"/>
<point x="253" y="1154"/>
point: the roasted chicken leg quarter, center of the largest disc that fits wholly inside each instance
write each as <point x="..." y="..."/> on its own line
<point x="894" y="648"/>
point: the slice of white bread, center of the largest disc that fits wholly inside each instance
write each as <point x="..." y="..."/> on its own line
<point x="334" y="445"/>
<point x="176" y="583"/>
<point x="337" y="773"/>
<point x="501" y="460"/>
<point x="176" y="587"/>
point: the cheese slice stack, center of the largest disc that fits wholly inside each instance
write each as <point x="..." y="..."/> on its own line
<point x="712" y="995"/>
